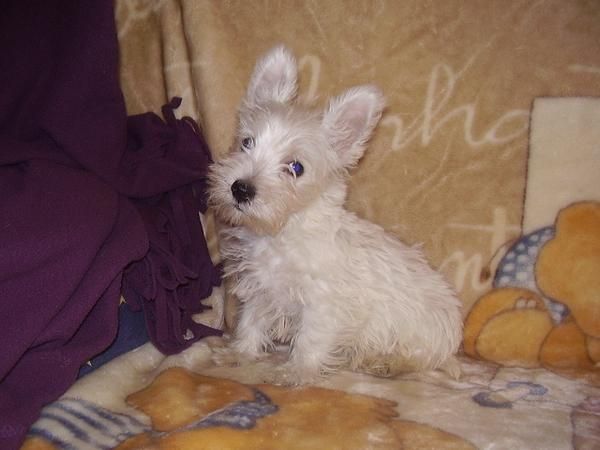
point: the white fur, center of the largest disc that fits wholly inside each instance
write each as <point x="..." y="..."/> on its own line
<point x="338" y="288"/>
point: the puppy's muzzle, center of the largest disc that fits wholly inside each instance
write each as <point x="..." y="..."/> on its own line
<point x="242" y="191"/>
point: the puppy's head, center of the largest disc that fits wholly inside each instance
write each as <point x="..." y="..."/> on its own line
<point x="285" y="155"/>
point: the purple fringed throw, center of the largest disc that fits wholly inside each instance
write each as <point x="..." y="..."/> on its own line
<point x="84" y="193"/>
<point x="166" y="283"/>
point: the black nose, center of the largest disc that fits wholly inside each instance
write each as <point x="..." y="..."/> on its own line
<point x="242" y="191"/>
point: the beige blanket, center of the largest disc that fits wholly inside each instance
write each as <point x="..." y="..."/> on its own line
<point x="448" y="164"/>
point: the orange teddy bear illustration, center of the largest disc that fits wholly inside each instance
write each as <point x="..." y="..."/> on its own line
<point x="544" y="309"/>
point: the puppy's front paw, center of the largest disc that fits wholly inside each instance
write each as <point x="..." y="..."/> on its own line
<point x="229" y="355"/>
<point x="226" y="356"/>
<point x="290" y="374"/>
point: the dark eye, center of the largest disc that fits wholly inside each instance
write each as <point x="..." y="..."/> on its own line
<point x="296" y="168"/>
<point x="247" y="143"/>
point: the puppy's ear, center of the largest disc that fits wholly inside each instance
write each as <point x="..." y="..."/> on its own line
<point x="349" y="121"/>
<point x="274" y="78"/>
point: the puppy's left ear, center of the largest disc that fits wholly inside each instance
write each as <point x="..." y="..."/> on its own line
<point x="349" y="121"/>
<point x="274" y="78"/>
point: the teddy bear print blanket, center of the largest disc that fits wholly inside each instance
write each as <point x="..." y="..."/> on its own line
<point x="143" y="400"/>
<point x="487" y="154"/>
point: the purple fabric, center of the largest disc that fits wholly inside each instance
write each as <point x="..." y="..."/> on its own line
<point x="166" y="282"/>
<point x="84" y="192"/>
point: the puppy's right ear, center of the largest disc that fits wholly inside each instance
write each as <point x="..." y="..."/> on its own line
<point x="349" y="121"/>
<point x="274" y="78"/>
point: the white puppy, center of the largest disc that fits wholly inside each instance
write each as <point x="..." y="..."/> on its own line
<point x="339" y="289"/>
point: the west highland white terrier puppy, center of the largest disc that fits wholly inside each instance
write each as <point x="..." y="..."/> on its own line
<point x="340" y="290"/>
